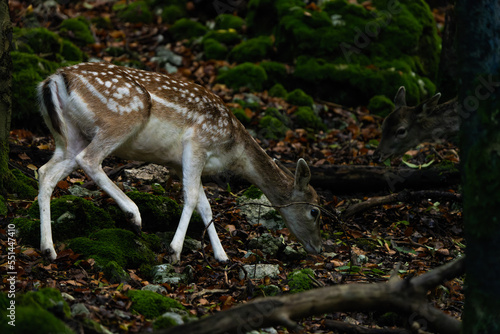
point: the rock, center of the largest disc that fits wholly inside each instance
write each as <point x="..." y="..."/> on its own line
<point x="259" y="271"/>
<point x="293" y="254"/>
<point x="267" y="243"/>
<point x="168" y="319"/>
<point x="148" y="173"/>
<point x="155" y="288"/>
<point x="79" y="309"/>
<point x="165" y="273"/>
<point x="260" y="214"/>
<point x="83" y="192"/>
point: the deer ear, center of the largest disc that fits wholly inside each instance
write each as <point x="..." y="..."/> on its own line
<point x="400" y="98"/>
<point x="282" y="167"/>
<point x="302" y="175"/>
<point x="432" y="102"/>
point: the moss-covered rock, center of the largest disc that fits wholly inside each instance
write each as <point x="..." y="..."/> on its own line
<point x="299" y="98"/>
<point x="136" y="12"/>
<point x="38" y="41"/>
<point x="356" y="52"/>
<point x="46" y="298"/>
<point x="304" y="117"/>
<point x="77" y="29"/>
<point x="22" y="186"/>
<point x="71" y="217"/>
<point x="276" y="73"/>
<point x="278" y="91"/>
<point x="244" y="75"/>
<point x="269" y="290"/>
<point x="121" y="246"/>
<point x="33" y="319"/>
<point x="172" y="13"/>
<point x="380" y="105"/>
<point x="115" y="273"/>
<point x="252" y="50"/>
<point x="272" y="128"/>
<point x="299" y="280"/>
<point x="158" y="213"/>
<point x="71" y="52"/>
<point x="227" y="37"/>
<point x="228" y="21"/>
<point x="28" y="71"/>
<point x="187" y="29"/>
<point x="151" y="304"/>
<point x="214" y="49"/>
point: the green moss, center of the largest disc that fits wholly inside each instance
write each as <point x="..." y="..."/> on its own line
<point x="3" y="206"/>
<point x="244" y="75"/>
<point x="380" y="105"/>
<point x="23" y="186"/>
<point x="299" y="98"/>
<point x="173" y="13"/>
<point x="118" y="245"/>
<point x="72" y="217"/>
<point x="33" y="319"/>
<point x="299" y="280"/>
<point x="224" y="36"/>
<point x="78" y="30"/>
<point x="71" y="52"/>
<point x="278" y="91"/>
<point x="187" y="29"/>
<point x="228" y="21"/>
<point x="241" y="115"/>
<point x="39" y="41"/>
<point x="136" y="12"/>
<point x="276" y="72"/>
<point x="305" y="118"/>
<point x="214" y="49"/>
<point x="47" y="298"/>
<point x="157" y="189"/>
<point x="158" y="213"/>
<point x="253" y="192"/>
<point x="272" y="128"/>
<point x="269" y="290"/>
<point x="28" y="71"/>
<point x="151" y="304"/>
<point x="114" y="273"/>
<point x="252" y="50"/>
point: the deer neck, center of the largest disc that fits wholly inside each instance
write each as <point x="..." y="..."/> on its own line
<point x="258" y="168"/>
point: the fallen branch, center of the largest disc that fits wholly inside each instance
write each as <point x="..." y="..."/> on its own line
<point x="402" y="296"/>
<point x="358" y="178"/>
<point x="403" y="196"/>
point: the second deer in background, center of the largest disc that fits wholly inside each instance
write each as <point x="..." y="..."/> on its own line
<point x="406" y="127"/>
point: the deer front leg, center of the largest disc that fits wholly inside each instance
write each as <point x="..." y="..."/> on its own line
<point x="205" y="211"/>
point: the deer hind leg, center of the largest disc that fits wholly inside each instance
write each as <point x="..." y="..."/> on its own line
<point x="59" y="166"/>
<point x="90" y="160"/>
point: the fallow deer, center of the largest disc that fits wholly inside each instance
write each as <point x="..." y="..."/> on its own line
<point x="97" y="109"/>
<point x="406" y="127"/>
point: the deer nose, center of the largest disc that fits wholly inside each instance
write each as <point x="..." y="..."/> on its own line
<point x="313" y="249"/>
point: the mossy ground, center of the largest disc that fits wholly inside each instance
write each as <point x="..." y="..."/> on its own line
<point x="121" y="246"/>
<point x="151" y="304"/>
<point x="299" y="280"/>
<point x="84" y="218"/>
<point x="244" y="75"/>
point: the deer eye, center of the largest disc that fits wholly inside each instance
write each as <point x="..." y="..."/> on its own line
<point x="314" y="212"/>
<point x="401" y="133"/>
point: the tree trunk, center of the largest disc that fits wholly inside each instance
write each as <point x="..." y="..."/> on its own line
<point x="5" y="92"/>
<point x="478" y="41"/>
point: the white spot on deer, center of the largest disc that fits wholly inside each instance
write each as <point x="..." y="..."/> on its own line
<point x="197" y="99"/>
<point x="115" y="80"/>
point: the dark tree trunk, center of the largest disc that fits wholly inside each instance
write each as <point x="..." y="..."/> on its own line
<point x="478" y="40"/>
<point x="5" y="92"/>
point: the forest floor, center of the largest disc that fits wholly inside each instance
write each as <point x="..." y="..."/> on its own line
<point x="419" y="235"/>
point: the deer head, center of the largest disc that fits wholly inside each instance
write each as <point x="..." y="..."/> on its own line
<point x="406" y="127"/>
